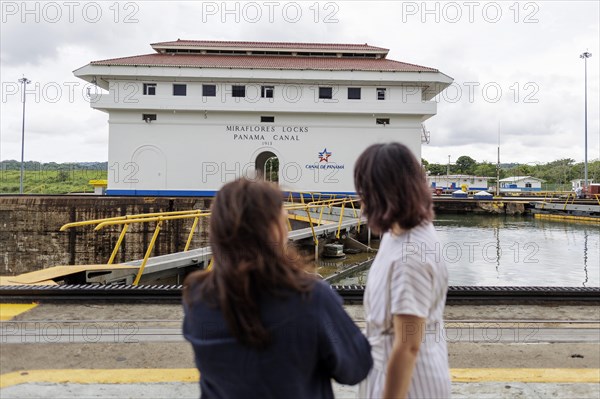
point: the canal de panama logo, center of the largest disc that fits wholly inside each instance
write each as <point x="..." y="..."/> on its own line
<point x="324" y="155"/>
<point x="324" y="161"/>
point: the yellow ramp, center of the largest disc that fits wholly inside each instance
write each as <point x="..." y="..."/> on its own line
<point x="10" y="310"/>
<point x="45" y="276"/>
<point x="10" y="280"/>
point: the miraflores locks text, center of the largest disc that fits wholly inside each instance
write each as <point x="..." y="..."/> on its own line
<point x="261" y="133"/>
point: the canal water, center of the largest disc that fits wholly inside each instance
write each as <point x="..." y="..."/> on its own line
<point x="514" y="251"/>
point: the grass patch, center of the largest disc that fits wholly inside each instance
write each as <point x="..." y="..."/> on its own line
<point x="50" y="181"/>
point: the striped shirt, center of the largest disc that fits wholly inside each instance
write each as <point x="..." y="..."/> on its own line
<point x="416" y="285"/>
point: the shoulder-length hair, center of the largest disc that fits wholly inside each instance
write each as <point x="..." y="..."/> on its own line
<point x="392" y="186"/>
<point x="250" y="259"/>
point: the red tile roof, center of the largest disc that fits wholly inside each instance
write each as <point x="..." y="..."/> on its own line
<point x="265" y="62"/>
<point x="270" y="45"/>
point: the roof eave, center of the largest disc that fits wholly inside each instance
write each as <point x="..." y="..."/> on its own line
<point x="88" y="74"/>
<point x="160" y="48"/>
<point x="269" y="45"/>
<point x="439" y="84"/>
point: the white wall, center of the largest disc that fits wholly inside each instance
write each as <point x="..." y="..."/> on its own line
<point x="472" y="182"/>
<point x="105" y="76"/>
<point x="521" y="184"/>
<point x="189" y="149"/>
<point x="580" y="183"/>
<point x="194" y="151"/>
<point x="287" y="97"/>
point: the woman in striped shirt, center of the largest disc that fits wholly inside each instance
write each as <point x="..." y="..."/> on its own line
<point x="408" y="281"/>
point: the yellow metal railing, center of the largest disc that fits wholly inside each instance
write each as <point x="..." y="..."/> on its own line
<point x="320" y="206"/>
<point x="126" y="221"/>
<point x="555" y="196"/>
<point x="317" y="205"/>
<point x="571" y="197"/>
<point x="314" y="196"/>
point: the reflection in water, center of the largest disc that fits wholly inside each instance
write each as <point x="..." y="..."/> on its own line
<point x="516" y="251"/>
<point x="328" y="266"/>
<point x="585" y="256"/>
<point x="498" y="250"/>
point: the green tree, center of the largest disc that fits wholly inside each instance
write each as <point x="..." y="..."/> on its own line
<point x="485" y="169"/>
<point x="525" y="170"/>
<point x="465" y="165"/>
<point x="272" y="169"/>
<point x="558" y="172"/>
<point x="436" y="169"/>
<point x="594" y="171"/>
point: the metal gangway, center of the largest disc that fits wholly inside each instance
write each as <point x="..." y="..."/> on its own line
<point x="565" y="208"/>
<point x="325" y="214"/>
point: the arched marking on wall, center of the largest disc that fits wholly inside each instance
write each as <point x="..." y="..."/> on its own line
<point x="266" y="165"/>
<point x="250" y="170"/>
<point x="149" y="164"/>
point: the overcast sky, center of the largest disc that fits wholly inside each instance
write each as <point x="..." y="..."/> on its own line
<point x="516" y="65"/>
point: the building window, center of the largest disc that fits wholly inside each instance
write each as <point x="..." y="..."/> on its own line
<point x="325" y="92"/>
<point x="149" y="89"/>
<point x="238" y="91"/>
<point x="528" y="185"/>
<point x="209" y="90"/>
<point x="267" y="91"/>
<point x="179" y="89"/>
<point x="148" y="117"/>
<point x="382" y="121"/>
<point x="381" y="93"/>
<point x="267" y="119"/>
<point x="353" y="93"/>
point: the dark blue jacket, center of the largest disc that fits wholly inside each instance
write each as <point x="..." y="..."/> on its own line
<point x="313" y="340"/>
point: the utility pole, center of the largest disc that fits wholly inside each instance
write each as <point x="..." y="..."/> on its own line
<point x="498" y="165"/>
<point x="24" y="81"/>
<point x="585" y="56"/>
<point x="498" y="173"/>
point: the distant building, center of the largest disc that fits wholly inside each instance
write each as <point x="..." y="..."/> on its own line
<point x="521" y="183"/>
<point x="579" y="183"/>
<point x="455" y="182"/>
<point x="193" y="115"/>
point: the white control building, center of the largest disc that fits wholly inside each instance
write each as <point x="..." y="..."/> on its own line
<point x="195" y="114"/>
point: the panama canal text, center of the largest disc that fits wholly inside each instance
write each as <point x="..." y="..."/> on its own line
<point x="266" y="133"/>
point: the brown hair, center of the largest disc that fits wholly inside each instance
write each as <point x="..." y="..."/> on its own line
<point x="250" y="259"/>
<point x="392" y="186"/>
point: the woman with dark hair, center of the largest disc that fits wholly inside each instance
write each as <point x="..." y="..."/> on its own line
<point x="260" y="325"/>
<point x="407" y="283"/>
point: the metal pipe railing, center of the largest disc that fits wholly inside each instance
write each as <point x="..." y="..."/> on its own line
<point x="126" y="221"/>
<point x="148" y="252"/>
<point x="159" y="218"/>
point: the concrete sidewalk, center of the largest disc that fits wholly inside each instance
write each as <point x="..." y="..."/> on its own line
<point x="183" y="390"/>
<point x="135" y="351"/>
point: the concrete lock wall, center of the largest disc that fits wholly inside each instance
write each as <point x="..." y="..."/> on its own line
<point x="30" y="238"/>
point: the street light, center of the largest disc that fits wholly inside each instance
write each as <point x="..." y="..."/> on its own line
<point x="24" y="81"/>
<point x="585" y="56"/>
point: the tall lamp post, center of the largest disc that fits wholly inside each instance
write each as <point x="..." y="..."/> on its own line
<point x="585" y="56"/>
<point x="24" y="81"/>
